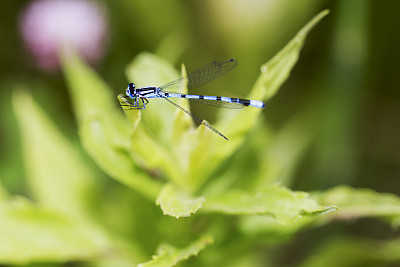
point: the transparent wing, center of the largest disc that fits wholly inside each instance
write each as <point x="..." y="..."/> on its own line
<point x="207" y="73"/>
<point x="214" y="103"/>
<point x="209" y="126"/>
<point x="218" y="104"/>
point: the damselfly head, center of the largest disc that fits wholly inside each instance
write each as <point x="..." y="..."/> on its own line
<point x="130" y="91"/>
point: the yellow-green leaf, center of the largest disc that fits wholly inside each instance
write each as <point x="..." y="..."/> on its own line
<point x="169" y="256"/>
<point x="57" y="174"/>
<point x="236" y="124"/>
<point x="275" y="72"/>
<point x="149" y="70"/>
<point x="177" y="203"/>
<point x="354" y="252"/>
<point x="104" y="131"/>
<point x="33" y="234"/>
<point x="358" y="203"/>
<point x="279" y="202"/>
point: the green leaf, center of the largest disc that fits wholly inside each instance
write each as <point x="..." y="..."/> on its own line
<point x="115" y="160"/>
<point x="57" y="174"/>
<point x="281" y="203"/>
<point x="173" y="45"/>
<point x="275" y="72"/>
<point x="286" y="149"/>
<point x="91" y="96"/>
<point x="3" y="193"/>
<point x="268" y="228"/>
<point x="359" y="203"/>
<point x="103" y="129"/>
<point x="207" y="150"/>
<point x="134" y="115"/>
<point x="169" y="256"/>
<point x="154" y="143"/>
<point x="30" y="234"/>
<point x="355" y="252"/>
<point x="157" y="141"/>
<point x="149" y="70"/>
<point x="211" y="151"/>
<point x="177" y="203"/>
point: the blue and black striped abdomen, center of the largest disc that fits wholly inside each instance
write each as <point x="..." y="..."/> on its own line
<point x="219" y="101"/>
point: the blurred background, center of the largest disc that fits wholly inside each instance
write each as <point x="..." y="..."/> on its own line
<point x="347" y="77"/>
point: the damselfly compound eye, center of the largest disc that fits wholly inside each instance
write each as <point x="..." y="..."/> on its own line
<point x="130" y="91"/>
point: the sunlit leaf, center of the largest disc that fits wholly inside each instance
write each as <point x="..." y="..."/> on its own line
<point x="281" y="203"/>
<point x="58" y="176"/>
<point x="177" y="203"/>
<point x="103" y="129"/>
<point x="149" y="70"/>
<point x="31" y="234"/>
<point x="268" y="228"/>
<point x="115" y="160"/>
<point x="154" y="144"/>
<point x="169" y="256"/>
<point x="275" y="72"/>
<point x="358" y="203"/>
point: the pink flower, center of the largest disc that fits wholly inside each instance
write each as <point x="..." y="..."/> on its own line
<point x="49" y="25"/>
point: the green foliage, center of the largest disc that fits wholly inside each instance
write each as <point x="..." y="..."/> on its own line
<point x="32" y="233"/>
<point x="359" y="203"/>
<point x="102" y="127"/>
<point x="229" y="192"/>
<point x="284" y="205"/>
<point x="169" y="256"/>
<point x="58" y="226"/>
<point x="174" y="202"/>
<point x="355" y="252"/>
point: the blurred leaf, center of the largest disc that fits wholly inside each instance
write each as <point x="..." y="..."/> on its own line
<point x="114" y="160"/>
<point x="281" y="203"/>
<point x="268" y="228"/>
<point x="359" y="203"/>
<point x="174" y="202"/>
<point x="355" y="252"/>
<point x="30" y="233"/>
<point x="57" y="174"/>
<point x="103" y="129"/>
<point x="275" y="72"/>
<point x="286" y="149"/>
<point x="91" y="96"/>
<point x="244" y="163"/>
<point x="243" y="253"/>
<point x="173" y="46"/>
<point x="60" y="181"/>
<point x="236" y="124"/>
<point x="169" y="256"/>
<point x="3" y="193"/>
